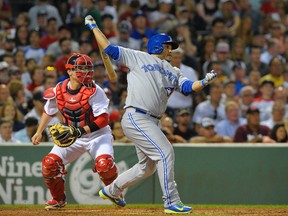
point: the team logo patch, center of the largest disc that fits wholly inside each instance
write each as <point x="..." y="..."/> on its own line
<point x="72" y="100"/>
<point x="169" y="90"/>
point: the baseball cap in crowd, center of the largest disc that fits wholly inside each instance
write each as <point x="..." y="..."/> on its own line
<point x="253" y="109"/>
<point x="183" y="112"/>
<point x="207" y="122"/>
<point x="31" y="121"/>
<point x="125" y="26"/>
<point x="42" y="12"/>
<point x="38" y="95"/>
<point x="83" y="41"/>
<point x="106" y="16"/>
<point x="239" y="64"/>
<point x="224" y="1"/>
<point x="13" y="70"/>
<point x="228" y="82"/>
<point x="63" y="27"/>
<point x="267" y="81"/>
<point x="139" y="13"/>
<point x="222" y="47"/>
<point x="166" y="1"/>
<point x="3" y="65"/>
<point x="183" y="9"/>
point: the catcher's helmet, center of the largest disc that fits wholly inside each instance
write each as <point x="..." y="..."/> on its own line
<point x="155" y="43"/>
<point x="82" y="65"/>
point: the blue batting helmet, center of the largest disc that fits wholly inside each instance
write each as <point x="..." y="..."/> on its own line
<point x="155" y="43"/>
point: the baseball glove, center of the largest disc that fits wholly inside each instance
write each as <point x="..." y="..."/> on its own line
<point x="62" y="135"/>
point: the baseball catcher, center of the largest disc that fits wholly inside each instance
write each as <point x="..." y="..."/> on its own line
<point x="84" y="107"/>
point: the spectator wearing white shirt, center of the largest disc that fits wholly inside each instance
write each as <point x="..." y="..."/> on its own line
<point x="211" y="108"/>
<point x="39" y="102"/>
<point x="265" y="102"/>
<point x="246" y="97"/>
<point x="124" y="39"/>
<point x="54" y="48"/>
<point x="34" y="50"/>
<point x="41" y="5"/>
<point x="104" y="8"/>
<point x="278" y="114"/>
<point x="273" y="50"/>
<point x="6" y="131"/>
<point x="177" y="100"/>
<point x="163" y="20"/>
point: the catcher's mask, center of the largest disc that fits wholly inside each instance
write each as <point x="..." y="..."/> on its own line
<point x="82" y="65"/>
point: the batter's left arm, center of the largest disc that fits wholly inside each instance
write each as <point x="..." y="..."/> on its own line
<point x="200" y="84"/>
<point x="189" y="86"/>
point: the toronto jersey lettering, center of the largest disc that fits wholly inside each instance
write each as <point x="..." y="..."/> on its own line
<point x="152" y="83"/>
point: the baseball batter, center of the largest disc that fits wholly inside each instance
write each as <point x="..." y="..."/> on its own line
<point x="84" y="105"/>
<point x="151" y="80"/>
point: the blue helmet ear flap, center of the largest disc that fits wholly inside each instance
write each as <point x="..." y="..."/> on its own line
<point x="155" y="43"/>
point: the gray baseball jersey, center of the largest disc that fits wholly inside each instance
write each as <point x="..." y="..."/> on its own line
<point x="150" y="81"/>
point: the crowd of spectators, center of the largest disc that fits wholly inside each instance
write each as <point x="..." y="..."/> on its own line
<point x="245" y="42"/>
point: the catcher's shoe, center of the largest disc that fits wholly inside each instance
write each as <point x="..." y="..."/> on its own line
<point x="178" y="208"/>
<point x="118" y="201"/>
<point x="54" y="204"/>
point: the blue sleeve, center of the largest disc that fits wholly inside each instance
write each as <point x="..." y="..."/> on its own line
<point x="186" y="87"/>
<point x="113" y="51"/>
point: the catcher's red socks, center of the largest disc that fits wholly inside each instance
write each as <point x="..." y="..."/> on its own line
<point x="56" y="187"/>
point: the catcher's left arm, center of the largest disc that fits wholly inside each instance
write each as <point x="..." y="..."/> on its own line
<point x="65" y="136"/>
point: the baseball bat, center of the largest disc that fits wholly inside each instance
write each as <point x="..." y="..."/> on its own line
<point x="107" y="62"/>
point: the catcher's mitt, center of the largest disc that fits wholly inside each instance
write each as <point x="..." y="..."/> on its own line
<point x="62" y="135"/>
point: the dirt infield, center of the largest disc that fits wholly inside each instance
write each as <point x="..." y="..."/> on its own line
<point x="138" y="210"/>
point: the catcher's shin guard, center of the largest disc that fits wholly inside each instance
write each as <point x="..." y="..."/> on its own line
<point x="106" y="168"/>
<point x="53" y="170"/>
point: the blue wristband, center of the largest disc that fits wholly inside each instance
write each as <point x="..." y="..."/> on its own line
<point x="92" y="25"/>
<point x="203" y="82"/>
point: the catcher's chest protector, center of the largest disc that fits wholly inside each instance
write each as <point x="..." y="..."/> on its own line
<point x="75" y="108"/>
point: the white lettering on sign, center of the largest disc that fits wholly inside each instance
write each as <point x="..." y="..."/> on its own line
<point x="10" y="168"/>
<point x="14" y="192"/>
<point x="12" y="188"/>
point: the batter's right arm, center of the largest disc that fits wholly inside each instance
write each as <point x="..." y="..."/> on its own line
<point x="101" y="38"/>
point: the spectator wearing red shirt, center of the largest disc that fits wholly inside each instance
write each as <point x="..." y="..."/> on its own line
<point x="269" y="7"/>
<point x="252" y="132"/>
<point x="37" y="79"/>
<point x="66" y="48"/>
<point x="52" y="33"/>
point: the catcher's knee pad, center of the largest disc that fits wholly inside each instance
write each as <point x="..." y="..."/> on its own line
<point x="52" y="166"/>
<point x="106" y="168"/>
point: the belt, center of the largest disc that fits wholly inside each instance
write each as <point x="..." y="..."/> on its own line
<point x="144" y="112"/>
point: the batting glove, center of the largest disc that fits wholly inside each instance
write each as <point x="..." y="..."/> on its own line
<point x="90" y="22"/>
<point x="208" y="78"/>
